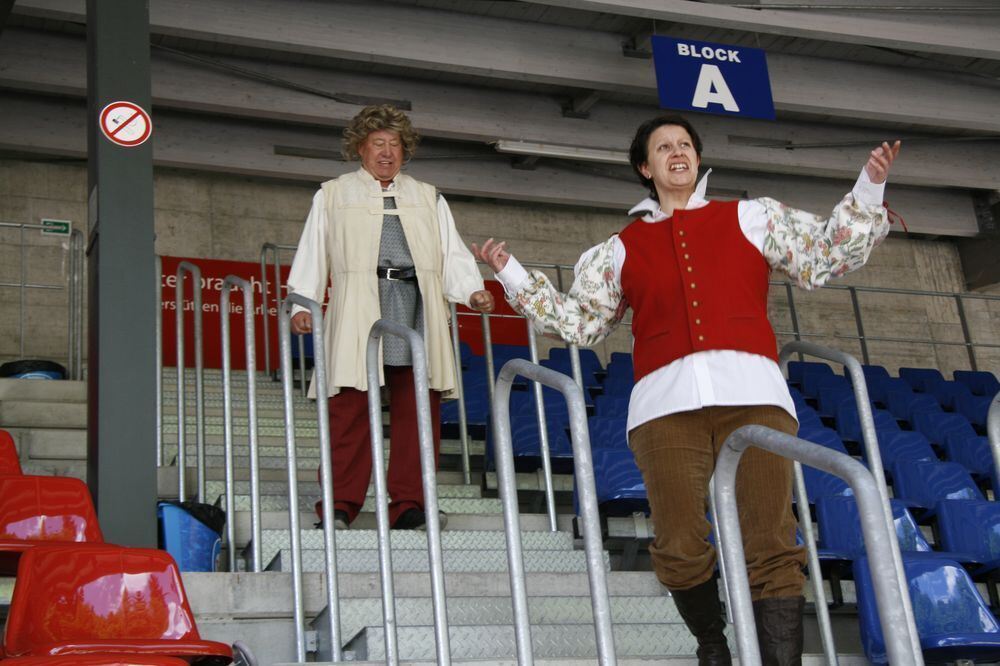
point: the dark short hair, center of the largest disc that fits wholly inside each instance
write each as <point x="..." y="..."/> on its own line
<point x="638" y="152"/>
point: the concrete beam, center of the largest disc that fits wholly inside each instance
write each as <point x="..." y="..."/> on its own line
<point x="47" y="126"/>
<point x="483" y="115"/>
<point x="536" y="53"/>
<point x="931" y="33"/>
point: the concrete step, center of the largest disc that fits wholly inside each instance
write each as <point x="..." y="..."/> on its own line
<point x="42" y="390"/>
<point x="273" y="541"/>
<point x="548" y="640"/>
<point x="278" y="520"/>
<point x="50" y="443"/>
<point x="42" y="414"/>
<point x="416" y="561"/>
<point x="274" y="446"/>
<point x="480" y="506"/>
<point x="217" y="489"/>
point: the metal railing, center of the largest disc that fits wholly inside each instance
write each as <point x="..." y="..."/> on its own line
<point x="325" y="467"/>
<point x="583" y="467"/>
<point x="274" y="249"/>
<point x="874" y="457"/>
<point x="234" y="282"/>
<point x="993" y="435"/>
<point x="186" y="267"/>
<point x="74" y="295"/>
<point x="463" y="420"/>
<point x="898" y="630"/>
<point x="428" y="467"/>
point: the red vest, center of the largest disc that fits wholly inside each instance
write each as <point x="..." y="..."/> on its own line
<point x="695" y="283"/>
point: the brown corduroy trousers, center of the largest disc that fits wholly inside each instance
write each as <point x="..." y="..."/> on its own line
<point x="676" y="454"/>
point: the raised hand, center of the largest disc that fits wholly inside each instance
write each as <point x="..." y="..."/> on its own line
<point x="880" y="161"/>
<point x="493" y="253"/>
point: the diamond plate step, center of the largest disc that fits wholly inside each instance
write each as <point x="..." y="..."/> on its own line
<point x="358" y="614"/>
<point x="446" y="504"/>
<point x="273" y="541"/>
<point x="216" y="490"/>
<point x="548" y="640"/>
<point x="415" y="561"/>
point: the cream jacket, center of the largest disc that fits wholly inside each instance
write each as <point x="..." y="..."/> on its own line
<point x="340" y="243"/>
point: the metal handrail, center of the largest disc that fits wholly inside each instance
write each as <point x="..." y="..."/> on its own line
<point x="583" y="467"/>
<point x="231" y="282"/>
<point x="898" y="630"/>
<point x="158" y="344"/>
<point x="543" y="433"/>
<point x="993" y="435"/>
<point x="274" y="249"/>
<point x="326" y="472"/>
<point x="428" y="467"/>
<point x="195" y="273"/>
<point x="463" y="421"/>
<point x="872" y="452"/>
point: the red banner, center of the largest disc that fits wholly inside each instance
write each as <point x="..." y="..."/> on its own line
<point x="213" y="274"/>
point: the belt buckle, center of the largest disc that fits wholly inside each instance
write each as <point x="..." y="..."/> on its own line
<point x="389" y="274"/>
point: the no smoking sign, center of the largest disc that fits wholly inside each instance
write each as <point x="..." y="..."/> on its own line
<point x="125" y="124"/>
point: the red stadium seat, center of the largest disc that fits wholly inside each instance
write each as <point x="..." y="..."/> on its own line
<point x="9" y="462"/>
<point x="90" y="599"/>
<point x="43" y="509"/>
<point x="97" y="660"/>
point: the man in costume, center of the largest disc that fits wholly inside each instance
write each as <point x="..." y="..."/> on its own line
<point x="388" y="244"/>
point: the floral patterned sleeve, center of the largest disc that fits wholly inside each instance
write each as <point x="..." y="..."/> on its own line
<point x="593" y="307"/>
<point x="812" y="249"/>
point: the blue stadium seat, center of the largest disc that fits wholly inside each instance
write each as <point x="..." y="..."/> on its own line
<point x="976" y="408"/>
<point x="564" y="366"/>
<point x="824" y="437"/>
<point x="872" y="373"/>
<point x="620" y="357"/>
<point x="972" y="452"/>
<point x="953" y="621"/>
<point x="620" y="487"/>
<point x="979" y="382"/>
<point x="815" y="376"/>
<point x="899" y="445"/>
<point x="972" y="526"/>
<point x="830" y="398"/>
<point x="608" y="432"/>
<point x="618" y="385"/>
<point x="921" y="379"/>
<point x="807" y="416"/>
<point x="465" y="352"/>
<point x="849" y="424"/>
<point x="840" y="527"/>
<point x="878" y="390"/>
<point x="905" y="404"/>
<point x="798" y="369"/>
<point x="937" y="425"/>
<point x="822" y="484"/>
<point x="947" y="393"/>
<point x="588" y="358"/>
<point x="925" y="483"/>
<point x="611" y="405"/>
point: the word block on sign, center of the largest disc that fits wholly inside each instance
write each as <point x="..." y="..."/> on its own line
<point x="712" y="78"/>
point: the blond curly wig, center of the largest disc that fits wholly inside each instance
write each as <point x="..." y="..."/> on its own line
<point x="380" y="117"/>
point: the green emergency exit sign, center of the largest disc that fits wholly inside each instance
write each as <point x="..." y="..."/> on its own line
<point x="57" y="227"/>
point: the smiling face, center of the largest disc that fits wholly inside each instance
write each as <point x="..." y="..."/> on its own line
<point x="382" y="154"/>
<point x="672" y="161"/>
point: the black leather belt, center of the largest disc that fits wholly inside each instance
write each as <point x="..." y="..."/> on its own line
<point x="397" y="274"/>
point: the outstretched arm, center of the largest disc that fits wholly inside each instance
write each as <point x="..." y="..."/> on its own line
<point x="810" y="248"/>
<point x="588" y="313"/>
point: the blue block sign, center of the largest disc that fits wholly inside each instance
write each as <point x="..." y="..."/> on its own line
<point x="712" y="78"/>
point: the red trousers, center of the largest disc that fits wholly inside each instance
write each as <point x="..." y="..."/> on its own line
<point x="351" y="452"/>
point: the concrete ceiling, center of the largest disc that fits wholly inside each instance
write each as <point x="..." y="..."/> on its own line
<point x="476" y="72"/>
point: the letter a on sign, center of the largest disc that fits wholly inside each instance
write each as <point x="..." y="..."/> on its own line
<point x="712" y="78"/>
<point x="712" y="89"/>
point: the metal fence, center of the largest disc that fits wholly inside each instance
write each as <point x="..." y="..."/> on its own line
<point x="73" y="286"/>
<point x="898" y="629"/>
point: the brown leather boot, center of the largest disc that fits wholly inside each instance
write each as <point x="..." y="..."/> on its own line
<point x="779" y="630"/>
<point x="702" y="613"/>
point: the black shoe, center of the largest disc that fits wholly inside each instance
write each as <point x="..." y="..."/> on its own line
<point x="411" y="519"/>
<point x="701" y="611"/>
<point x="779" y="630"/>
